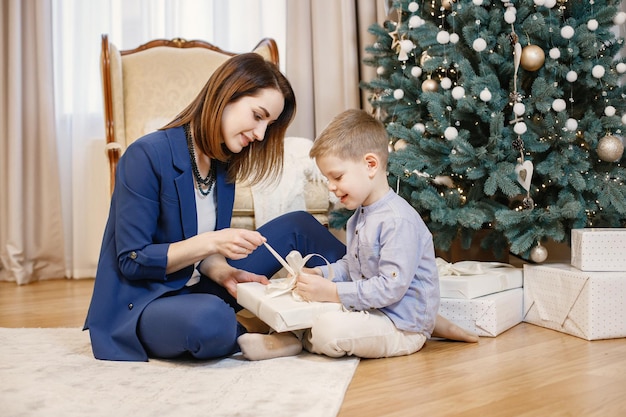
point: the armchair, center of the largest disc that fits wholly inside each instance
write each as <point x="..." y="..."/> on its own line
<point x="146" y="87"/>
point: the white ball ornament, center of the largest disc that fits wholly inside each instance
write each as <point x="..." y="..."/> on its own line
<point x="558" y="104"/>
<point x="380" y="70"/>
<point x="479" y="44"/>
<point x="539" y="2"/>
<point x="598" y="71"/>
<point x="592" y="24"/>
<point x="398" y="94"/>
<point x="555" y="53"/>
<point x="458" y="92"/>
<point x="571" y="76"/>
<point x="609" y="111"/>
<point x="519" y="109"/>
<point x="451" y="133"/>
<point x="621" y="68"/>
<point x="571" y="124"/>
<point x="509" y="16"/>
<point x="416" y="71"/>
<point x="415" y="22"/>
<point x="419" y="127"/>
<point x="549" y="3"/>
<point x="445" y="83"/>
<point x="454" y="38"/>
<point x="520" y="128"/>
<point x="443" y="37"/>
<point x="619" y="18"/>
<point x="485" y="95"/>
<point x="567" y="32"/>
<point x="477" y="2"/>
<point x="624" y="119"/>
<point x="413" y="7"/>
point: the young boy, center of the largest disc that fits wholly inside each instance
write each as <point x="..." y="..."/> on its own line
<point x="387" y="281"/>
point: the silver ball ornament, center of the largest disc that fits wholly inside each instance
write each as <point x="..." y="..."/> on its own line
<point x="538" y="253"/>
<point x="610" y="148"/>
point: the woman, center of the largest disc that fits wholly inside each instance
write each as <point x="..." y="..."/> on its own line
<point x="169" y="264"/>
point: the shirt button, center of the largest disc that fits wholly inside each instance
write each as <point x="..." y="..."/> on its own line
<point x="133" y="255"/>
<point x="130" y="306"/>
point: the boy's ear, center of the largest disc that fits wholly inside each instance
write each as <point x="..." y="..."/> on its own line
<point x="372" y="160"/>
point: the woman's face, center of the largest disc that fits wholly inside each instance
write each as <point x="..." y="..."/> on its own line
<point x="246" y="119"/>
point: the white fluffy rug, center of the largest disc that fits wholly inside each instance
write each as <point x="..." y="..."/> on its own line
<point x="52" y="372"/>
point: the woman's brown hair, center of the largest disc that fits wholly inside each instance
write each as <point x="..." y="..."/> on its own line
<point x="240" y="76"/>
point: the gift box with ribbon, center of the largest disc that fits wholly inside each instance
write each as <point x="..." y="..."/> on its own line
<point x="489" y="315"/>
<point x="589" y="305"/>
<point x="278" y="304"/>
<point x="472" y="279"/>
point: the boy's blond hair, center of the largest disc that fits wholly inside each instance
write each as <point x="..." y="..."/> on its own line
<point x="352" y="134"/>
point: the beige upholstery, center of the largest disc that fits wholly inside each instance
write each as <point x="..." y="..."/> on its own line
<point x="147" y="87"/>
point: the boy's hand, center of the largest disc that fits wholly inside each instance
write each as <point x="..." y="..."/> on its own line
<point x="316" y="288"/>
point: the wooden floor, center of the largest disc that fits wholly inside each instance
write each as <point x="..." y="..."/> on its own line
<point x="526" y="371"/>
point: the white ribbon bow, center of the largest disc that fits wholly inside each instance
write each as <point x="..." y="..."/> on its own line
<point x="293" y="263"/>
<point x="469" y="267"/>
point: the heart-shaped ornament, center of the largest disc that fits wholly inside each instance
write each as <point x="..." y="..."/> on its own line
<point x="524" y="173"/>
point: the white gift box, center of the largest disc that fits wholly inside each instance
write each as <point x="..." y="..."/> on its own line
<point x="283" y="312"/>
<point x="489" y="315"/>
<point x="469" y="279"/>
<point x="598" y="249"/>
<point x="589" y="305"/>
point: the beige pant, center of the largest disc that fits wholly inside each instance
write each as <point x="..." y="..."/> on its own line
<point x="366" y="334"/>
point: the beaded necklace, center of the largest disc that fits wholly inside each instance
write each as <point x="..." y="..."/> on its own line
<point x="209" y="180"/>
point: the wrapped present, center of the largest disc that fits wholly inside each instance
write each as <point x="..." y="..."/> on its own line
<point x="589" y="305"/>
<point x="489" y="315"/>
<point x="281" y="312"/>
<point x="471" y="279"/>
<point x="597" y="249"/>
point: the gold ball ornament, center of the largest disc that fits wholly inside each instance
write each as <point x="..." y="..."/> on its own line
<point x="447" y="4"/>
<point x="538" y="253"/>
<point x="532" y="58"/>
<point x="430" y="85"/>
<point x="610" y="148"/>
<point x="400" y="145"/>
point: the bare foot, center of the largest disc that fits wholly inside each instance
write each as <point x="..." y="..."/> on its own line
<point x="257" y="346"/>
<point x="445" y="329"/>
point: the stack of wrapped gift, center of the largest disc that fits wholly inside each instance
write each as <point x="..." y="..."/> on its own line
<point x="586" y="298"/>
<point x="483" y="297"/>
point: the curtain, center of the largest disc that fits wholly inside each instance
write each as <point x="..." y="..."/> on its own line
<point x="31" y="233"/>
<point x="326" y="42"/>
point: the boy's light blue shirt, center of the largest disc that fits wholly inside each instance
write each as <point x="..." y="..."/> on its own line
<point x="390" y="265"/>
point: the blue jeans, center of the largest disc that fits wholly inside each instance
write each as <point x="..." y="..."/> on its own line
<point x="201" y="320"/>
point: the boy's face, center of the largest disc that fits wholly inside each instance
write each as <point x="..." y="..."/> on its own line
<point x="349" y="180"/>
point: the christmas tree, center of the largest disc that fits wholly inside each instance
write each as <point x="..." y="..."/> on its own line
<point x="505" y="117"/>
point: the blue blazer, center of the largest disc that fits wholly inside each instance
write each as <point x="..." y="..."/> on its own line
<point x="153" y="205"/>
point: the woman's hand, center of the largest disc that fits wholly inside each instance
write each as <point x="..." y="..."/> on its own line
<point x="236" y="243"/>
<point x="229" y="243"/>
<point x="220" y="271"/>
<point x="313" y="287"/>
